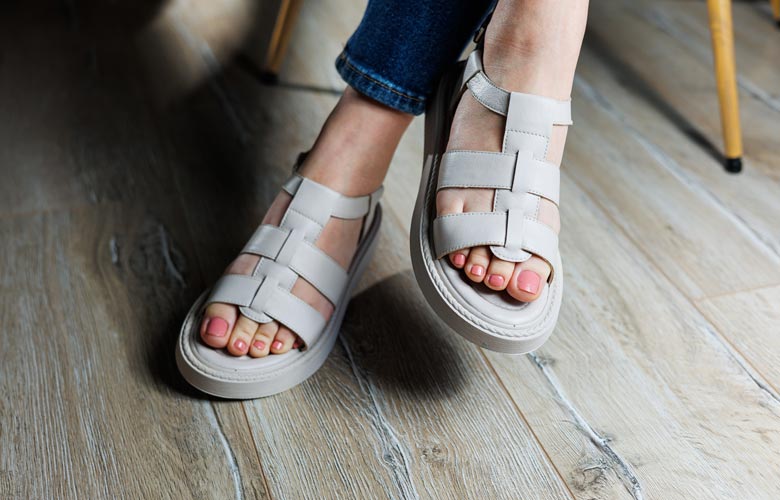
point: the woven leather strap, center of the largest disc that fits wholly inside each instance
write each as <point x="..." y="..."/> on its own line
<point x="519" y="174"/>
<point x="289" y="251"/>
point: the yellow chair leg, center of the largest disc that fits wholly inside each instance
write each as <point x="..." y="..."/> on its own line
<point x="280" y="36"/>
<point x="722" y="32"/>
<point x="776" y="10"/>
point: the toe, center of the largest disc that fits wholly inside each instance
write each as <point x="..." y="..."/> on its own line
<point x="218" y="320"/>
<point x="528" y="279"/>
<point x="458" y="259"/>
<point x="242" y="335"/>
<point x="283" y="341"/>
<point x="499" y="272"/>
<point x="477" y="263"/>
<point x="261" y="343"/>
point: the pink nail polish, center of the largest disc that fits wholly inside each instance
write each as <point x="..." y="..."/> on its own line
<point x="529" y="281"/>
<point x="259" y="345"/>
<point x="496" y="280"/>
<point x="459" y="259"/>
<point x="240" y="345"/>
<point x="277" y="345"/>
<point x="217" y="327"/>
<point x="477" y="270"/>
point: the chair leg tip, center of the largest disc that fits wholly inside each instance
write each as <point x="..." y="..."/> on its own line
<point x="734" y="165"/>
<point x="777" y="21"/>
<point x="268" y="77"/>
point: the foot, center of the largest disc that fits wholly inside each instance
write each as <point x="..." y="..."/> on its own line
<point x="224" y="327"/>
<point x="530" y="47"/>
<point x="351" y="156"/>
<point x="474" y="127"/>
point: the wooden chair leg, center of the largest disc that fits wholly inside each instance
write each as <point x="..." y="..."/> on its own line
<point x="776" y="10"/>
<point x="722" y="32"/>
<point x="280" y="36"/>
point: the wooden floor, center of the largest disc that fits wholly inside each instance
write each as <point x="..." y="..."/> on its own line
<point x="138" y="154"/>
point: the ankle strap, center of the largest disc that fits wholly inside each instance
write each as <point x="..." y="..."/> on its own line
<point x="498" y="100"/>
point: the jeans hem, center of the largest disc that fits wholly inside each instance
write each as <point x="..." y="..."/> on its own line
<point x="372" y="85"/>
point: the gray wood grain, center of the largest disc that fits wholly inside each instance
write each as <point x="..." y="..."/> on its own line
<point x="138" y="154"/>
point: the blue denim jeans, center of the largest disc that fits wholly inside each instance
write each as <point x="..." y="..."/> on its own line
<point x="401" y="48"/>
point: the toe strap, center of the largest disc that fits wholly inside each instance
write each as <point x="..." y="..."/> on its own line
<point x="468" y="229"/>
<point x="505" y="230"/>
<point x="263" y="296"/>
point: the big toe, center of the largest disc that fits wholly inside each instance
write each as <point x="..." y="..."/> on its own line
<point x="528" y="279"/>
<point x="216" y="328"/>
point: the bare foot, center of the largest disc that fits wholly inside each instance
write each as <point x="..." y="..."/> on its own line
<point x="351" y="156"/>
<point x="520" y="55"/>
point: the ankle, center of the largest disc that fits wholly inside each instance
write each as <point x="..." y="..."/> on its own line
<point x="529" y="67"/>
<point x="355" y="146"/>
<point x="537" y="52"/>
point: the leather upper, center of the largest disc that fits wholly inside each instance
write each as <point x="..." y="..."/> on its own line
<point x="519" y="174"/>
<point x="288" y="252"/>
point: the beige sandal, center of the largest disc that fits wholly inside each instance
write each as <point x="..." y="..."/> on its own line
<point x="521" y="178"/>
<point x="286" y="252"/>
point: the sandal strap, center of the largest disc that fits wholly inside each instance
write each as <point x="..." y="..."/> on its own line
<point x="511" y="229"/>
<point x="289" y="252"/>
<point x="516" y="172"/>
<point x="255" y="293"/>
<point x="519" y="174"/>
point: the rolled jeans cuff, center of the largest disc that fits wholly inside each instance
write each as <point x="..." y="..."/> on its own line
<point x="371" y="84"/>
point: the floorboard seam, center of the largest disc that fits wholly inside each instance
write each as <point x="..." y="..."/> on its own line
<point x="740" y="291"/>
<point x="257" y="451"/>
<point x="676" y="170"/>
<point x="235" y="473"/>
<point x="623" y="468"/>
<point x="671" y="166"/>
<point x="393" y="451"/>
<point x="740" y="359"/>
<point x="525" y="420"/>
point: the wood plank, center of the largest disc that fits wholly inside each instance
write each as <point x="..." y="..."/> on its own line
<point x="755" y="42"/>
<point x="85" y="138"/>
<point x="92" y="404"/>
<point x="640" y="182"/>
<point x="642" y="36"/>
<point x="640" y="381"/>
<point x="749" y="200"/>
<point x="752" y="196"/>
<point x="750" y="322"/>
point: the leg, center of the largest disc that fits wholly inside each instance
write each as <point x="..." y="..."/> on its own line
<point x="351" y="156"/>
<point x="726" y="73"/>
<point x="391" y="64"/>
<point x="531" y="46"/>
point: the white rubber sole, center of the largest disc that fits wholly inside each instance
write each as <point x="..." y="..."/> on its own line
<point x="495" y="323"/>
<point x="218" y="373"/>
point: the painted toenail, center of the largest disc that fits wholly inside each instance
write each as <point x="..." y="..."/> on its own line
<point x="239" y="345"/>
<point x="477" y="270"/>
<point x="529" y="281"/>
<point x="459" y="259"/>
<point x="217" y="327"/>
<point x="259" y="345"/>
<point x="496" y="280"/>
<point x="277" y="345"/>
